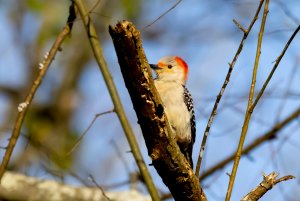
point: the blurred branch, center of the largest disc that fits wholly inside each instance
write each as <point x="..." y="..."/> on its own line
<point x="166" y="157"/>
<point x="291" y="79"/>
<point x="119" y="155"/>
<point x="288" y="13"/>
<point x="227" y="79"/>
<point x="269" y="181"/>
<point x="97" y="50"/>
<point x="255" y="144"/>
<point x="250" y="101"/>
<point x="162" y="15"/>
<point x="10" y="91"/>
<point x="99" y="187"/>
<point x="21" y="187"/>
<point x="43" y="67"/>
<point x="87" y="129"/>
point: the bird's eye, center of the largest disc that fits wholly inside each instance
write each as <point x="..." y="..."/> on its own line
<point x="170" y="66"/>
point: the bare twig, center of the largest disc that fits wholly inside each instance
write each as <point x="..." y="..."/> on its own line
<point x="285" y="178"/>
<point x="95" y="6"/>
<point x="288" y="13"/>
<point x="119" y="154"/>
<point x="271" y="134"/>
<point x="99" y="187"/>
<point x="239" y="26"/>
<point x="269" y="181"/>
<point x="291" y="78"/>
<point x="227" y="79"/>
<point x="248" y="112"/>
<point x="43" y="67"/>
<point x="97" y="50"/>
<point x="78" y="141"/>
<point x="274" y="69"/>
<point x="162" y="15"/>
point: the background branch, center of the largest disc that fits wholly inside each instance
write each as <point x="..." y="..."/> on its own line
<point x="43" y="67"/>
<point x="255" y="144"/>
<point x="21" y="187"/>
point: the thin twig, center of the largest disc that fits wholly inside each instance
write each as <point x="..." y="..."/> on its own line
<point x="283" y="101"/>
<point x="284" y="178"/>
<point x="248" y="112"/>
<point x="286" y="11"/>
<point x="43" y="67"/>
<point x="78" y="141"/>
<point x="274" y="69"/>
<point x="227" y="79"/>
<point x="162" y="15"/>
<point x="119" y="154"/>
<point x="97" y="50"/>
<point x="95" y="6"/>
<point x="99" y="187"/>
<point x="271" y="134"/>
<point x="239" y="26"/>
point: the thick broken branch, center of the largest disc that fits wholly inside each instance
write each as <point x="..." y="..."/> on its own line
<point x="267" y="184"/>
<point x="167" y="159"/>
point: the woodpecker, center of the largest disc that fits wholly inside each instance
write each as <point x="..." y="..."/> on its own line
<point x="172" y="72"/>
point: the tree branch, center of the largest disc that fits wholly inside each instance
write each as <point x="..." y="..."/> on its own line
<point x="167" y="159"/>
<point x="250" y="101"/>
<point x="118" y="108"/>
<point x="226" y="81"/>
<point x="274" y="69"/>
<point x="271" y="134"/>
<point x="43" y="67"/>
<point x="269" y="181"/>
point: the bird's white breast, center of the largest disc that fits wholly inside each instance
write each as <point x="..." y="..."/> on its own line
<point x="171" y="94"/>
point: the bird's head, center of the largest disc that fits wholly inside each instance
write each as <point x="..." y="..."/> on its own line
<point x="171" y="68"/>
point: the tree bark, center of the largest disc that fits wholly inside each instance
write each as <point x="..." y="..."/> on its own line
<point x="166" y="157"/>
<point x="269" y="181"/>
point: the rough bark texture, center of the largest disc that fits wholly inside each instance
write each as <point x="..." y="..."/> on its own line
<point x="269" y="181"/>
<point x="162" y="148"/>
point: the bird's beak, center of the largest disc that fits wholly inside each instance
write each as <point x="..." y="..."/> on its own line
<point x="155" y="66"/>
